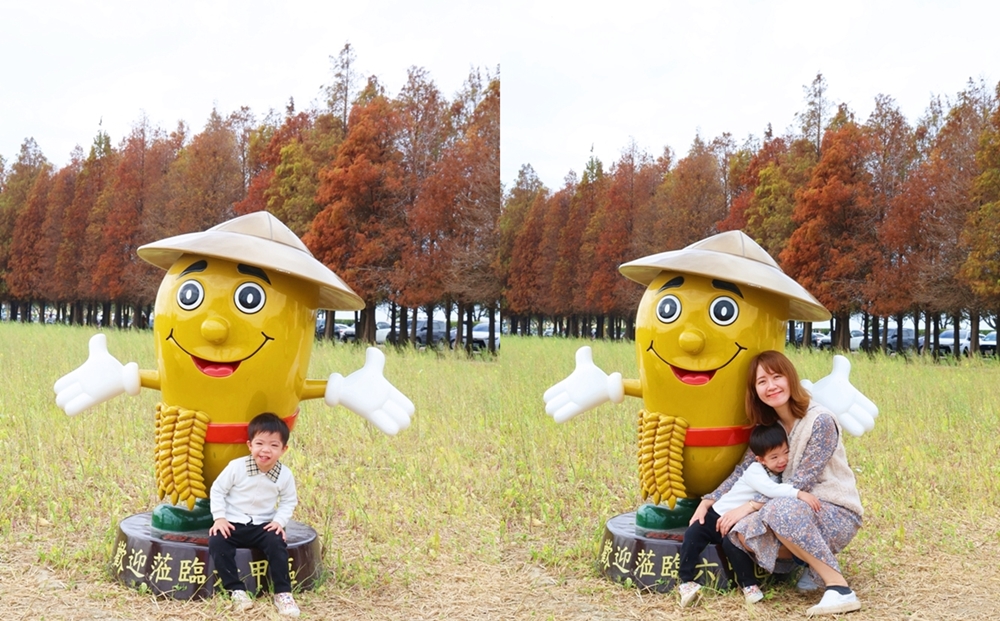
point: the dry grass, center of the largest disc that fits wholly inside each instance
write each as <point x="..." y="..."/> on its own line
<point x="484" y="508"/>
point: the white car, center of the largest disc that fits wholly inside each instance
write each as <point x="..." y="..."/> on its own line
<point x="348" y="335"/>
<point x="856" y="336"/>
<point x="987" y="344"/>
<point x="480" y="335"/>
<point x="946" y="341"/>
<point x="381" y="333"/>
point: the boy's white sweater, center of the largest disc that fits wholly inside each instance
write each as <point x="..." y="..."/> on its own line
<point x="755" y="480"/>
<point x="243" y="498"/>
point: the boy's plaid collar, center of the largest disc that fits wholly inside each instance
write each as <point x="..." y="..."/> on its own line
<point x="253" y="470"/>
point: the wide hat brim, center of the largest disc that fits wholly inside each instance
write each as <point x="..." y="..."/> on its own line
<point x="261" y="240"/>
<point x="734" y="257"/>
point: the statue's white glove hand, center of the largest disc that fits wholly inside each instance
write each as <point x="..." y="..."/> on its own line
<point x="368" y="393"/>
<point x="97" y="380"/>
<point x="854" y="411"/>
<point x="586" y="388"/>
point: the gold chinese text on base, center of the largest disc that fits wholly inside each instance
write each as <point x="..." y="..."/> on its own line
<point x="179" y="566"/>
<point x="628" y="558"/>
<point x="661" y="455"/>
<point x="180" y="442"/>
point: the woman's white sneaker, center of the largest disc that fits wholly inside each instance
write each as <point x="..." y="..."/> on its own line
<point x="835" y="603"/>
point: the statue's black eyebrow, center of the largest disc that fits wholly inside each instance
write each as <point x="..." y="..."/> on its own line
<point x="197" y="266"/>
<point x="673" y="282"/>
<point x="250" y="270"/>
<point x="727" y="286"/>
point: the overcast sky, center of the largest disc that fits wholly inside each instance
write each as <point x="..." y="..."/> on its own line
<point x="575" y="76"/>
<point x="71" y="67"/>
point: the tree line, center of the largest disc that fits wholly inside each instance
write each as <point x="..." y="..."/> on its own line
<point x="399" y="195"/>
<point x="881" y="217"/>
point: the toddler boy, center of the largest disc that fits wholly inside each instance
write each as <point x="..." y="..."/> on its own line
<point x="252" y="500"/>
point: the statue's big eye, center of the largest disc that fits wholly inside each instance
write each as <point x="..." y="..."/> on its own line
<point x="250" y="297"/>
<point x="190" y="295"/>
<point x="724" y="310"/>
<point x="668" y="309"/>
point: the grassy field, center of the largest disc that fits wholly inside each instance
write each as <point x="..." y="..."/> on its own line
<point x="484" y="508"/>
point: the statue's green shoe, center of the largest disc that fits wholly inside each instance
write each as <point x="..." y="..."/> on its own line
<point x="650" y="519"/>
<point x="178" y="519"/>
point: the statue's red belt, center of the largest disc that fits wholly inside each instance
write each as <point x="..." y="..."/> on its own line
<point x="714" y="436"/>
<point x="236" y="433"/>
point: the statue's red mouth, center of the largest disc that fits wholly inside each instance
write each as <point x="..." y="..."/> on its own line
<point x="215" y="369"/>
<point x="693" y="378"/>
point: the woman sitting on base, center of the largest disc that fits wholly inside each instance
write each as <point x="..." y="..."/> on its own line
<point x="773" y="530"/>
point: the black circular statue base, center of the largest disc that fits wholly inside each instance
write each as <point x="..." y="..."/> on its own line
<point x="177" y="564"/>
<point x="651" y="561"/>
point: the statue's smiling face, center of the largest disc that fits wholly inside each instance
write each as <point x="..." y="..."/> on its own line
<point x="221" y="321"/>
<point x="695" y="337"/>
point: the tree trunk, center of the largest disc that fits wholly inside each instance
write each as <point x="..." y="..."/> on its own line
<point x="460" y="339"/>
<point x="841" y="338"/>
<point x="404" y="325"/>
<point x="973" y="332"/>
<point x="447" y="319"/>
<point x="468" y="329"/>
<point x="329" y="323"/>
<point x="899" y="333"/>
<point x="491" y="345"/>
<point x="429" y="327"/>
<point x="956" y="320"/>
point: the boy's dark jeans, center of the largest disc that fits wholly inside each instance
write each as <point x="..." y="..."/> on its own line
<point x="223" y="553"/>
<point x="697" y="537"/>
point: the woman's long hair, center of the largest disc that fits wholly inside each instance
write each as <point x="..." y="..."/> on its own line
<point x="759" y="412"/>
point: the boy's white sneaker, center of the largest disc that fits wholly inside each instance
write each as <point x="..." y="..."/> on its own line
<point x="834" y="603"/>
<point x="285" y="604"/>
<point x="752" y="594"/>
<point x="241" y="600"/>
<point x="690" y="591"/>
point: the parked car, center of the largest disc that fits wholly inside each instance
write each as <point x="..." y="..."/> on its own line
<point x="348" y="335"/>
<point x="909" y="340"/>
<point x="437" y="329"/>
<point x="856" y="336"/>
<point x="382" y="333"/>
<point x="987" y="344"/>
<point x="338" y="328"/>
<point x="816" y="337"/>
<point x="438" y="333"/>
<point x="320" y="325"/>
<point x="480" y="335"/>
<point x="946" y="341"/>
<point x="384" y="329"/>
